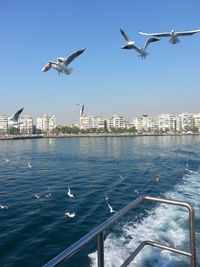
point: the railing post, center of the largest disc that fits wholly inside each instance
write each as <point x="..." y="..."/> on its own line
<point x="100" y="249"/>
<point x="192" y="236"/>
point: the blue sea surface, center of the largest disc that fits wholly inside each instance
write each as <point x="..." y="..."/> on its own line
<point x="34" y="230"/>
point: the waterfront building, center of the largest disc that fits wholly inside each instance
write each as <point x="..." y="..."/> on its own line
<point x="92" y="122"/>
<point x="167" y="122"/>
<point x="186" y="122"/>
<point x="143" y="123"/>
<point x="197" y="121"/>
<point x="27" y="124"/>
<point x="46" y="123"/>
<point x="116" y="122"/>
<point x="3" y="123"/>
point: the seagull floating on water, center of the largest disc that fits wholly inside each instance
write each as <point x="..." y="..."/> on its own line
<point x="29" y="164"/>
<point x="173" y="35"/>
<point x="37" y="196"/>
<point x="7" y="160"/>
<point x="3" y="206"/>
<point x="15" y="119"/>
<point x="111" y="209"/>
<point x="69" y="193"/>
<point x="70" y="215"/>
<point x="61" y="66"/>
<point x="131" y="45"/>
<point x="81" y="109"/>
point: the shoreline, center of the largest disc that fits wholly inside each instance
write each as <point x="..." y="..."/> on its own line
<point x="3" y="138"/>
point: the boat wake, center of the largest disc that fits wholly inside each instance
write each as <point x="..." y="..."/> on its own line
<point x="165" y="224"/>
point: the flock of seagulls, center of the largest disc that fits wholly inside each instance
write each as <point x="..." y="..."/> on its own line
<point x="61" y="65"/>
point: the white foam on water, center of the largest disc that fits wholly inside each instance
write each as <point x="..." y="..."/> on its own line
<point x="164" y="224"/>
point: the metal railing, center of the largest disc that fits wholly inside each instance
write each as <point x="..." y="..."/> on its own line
<point x="98" y="232"/>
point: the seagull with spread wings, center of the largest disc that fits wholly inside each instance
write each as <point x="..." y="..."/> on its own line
<point x="61" y="66"/>
<point x="131" y="44"/>
<point x="173" y="35"/>
<point x="15" y="118"/>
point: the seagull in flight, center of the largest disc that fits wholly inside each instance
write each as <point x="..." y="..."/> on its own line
<point x="37" y="196"/>
<point x="70" y="215"/>
<point x="81" y="109"/>
<point x="15" y="119"/>
<point x="131" y="44"/>
<point x="173" y="35"/>
<point x="61" y="66"/>
<point x="69" y="193"/>
<point x="110" y="208"/>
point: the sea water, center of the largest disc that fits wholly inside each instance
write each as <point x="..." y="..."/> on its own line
<point x="33" y="230"/>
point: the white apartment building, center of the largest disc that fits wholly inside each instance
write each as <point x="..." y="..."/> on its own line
<point x="46" y="123"/>
<point x="3" y="123"/>
<point x="116" y="122"/>
<point x="143" y="123"/>
<point x="27" y="124"/>
<point x="91" y="122"/>
<point x="186" y="121"/>
<point x="168" y="122"/>
<point x="197" y="121"/>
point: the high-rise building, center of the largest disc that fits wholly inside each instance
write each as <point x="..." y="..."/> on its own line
<point x="92" y="122"/>
<point x="3" y="123"/>
<point x="116" y="122"/>
<point x="46" y="123"/>
<point x="143" y="123"/>
<point x="197" y="121"/>
<point x="167" y="122"/>
<point x="27" y="124"/>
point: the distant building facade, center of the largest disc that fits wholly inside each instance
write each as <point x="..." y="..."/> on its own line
<point x="92" y="122"/>
<point x="46" y="123"/>
<point x="116" y="122"/>
<point x="27" y="124"/>
<point x="3" y="123"/>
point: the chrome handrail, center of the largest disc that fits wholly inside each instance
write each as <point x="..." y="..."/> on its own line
<point x="98" y="232"/>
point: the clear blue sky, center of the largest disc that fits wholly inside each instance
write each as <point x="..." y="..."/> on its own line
<point x="106" y="79"/>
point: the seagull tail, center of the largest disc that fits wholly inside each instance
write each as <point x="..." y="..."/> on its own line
<point x="69" y="71"/>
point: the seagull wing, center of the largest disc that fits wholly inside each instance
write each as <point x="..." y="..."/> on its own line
<point x="187" y="33"/>
<point x="124" y="35"/>
<point x="82" y="110"/>
<point x="150" y="40"/>
<point x="164" y="34"/>
<point x="136" y="48"/>
<point x="71" y="57"/>
<point x="16" y="116"/>
<point x="47" y="67"/>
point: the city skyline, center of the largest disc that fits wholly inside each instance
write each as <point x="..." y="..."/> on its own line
<point x="106" y="79"/>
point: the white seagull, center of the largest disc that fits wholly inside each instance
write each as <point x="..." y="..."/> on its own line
<point x="15" y="119"/>
<point x="111" y="209"/>
<point x="69" y="193"/>
<point x="62" y="63"/>
<point x="3" y="206"/>
<point x="29" y="164"/>
<point x="7" y="160"/>
<point x="37" y="196"/>
<point x="70" y="215"/>
<point x="131" y="45"/>
<point x="173" y="35"/>
<point x="81" y="109"/>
